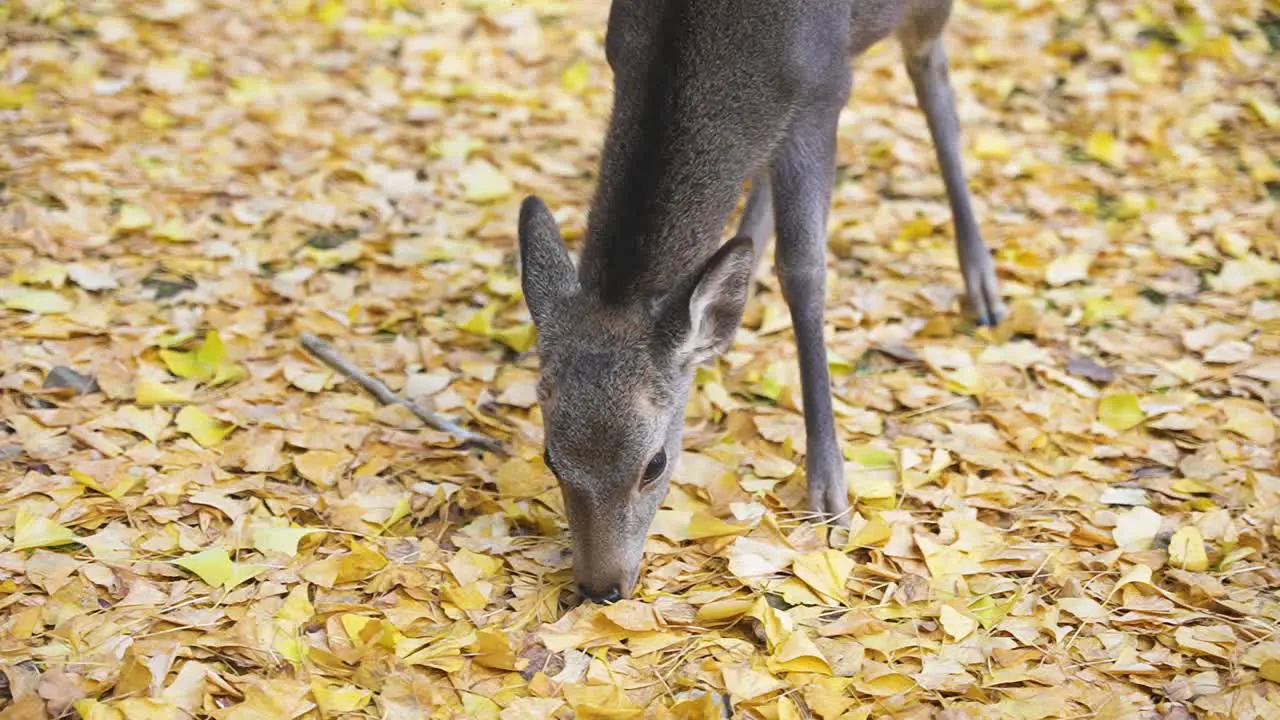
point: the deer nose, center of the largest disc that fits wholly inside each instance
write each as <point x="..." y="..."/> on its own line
<point x="607" y="597"/>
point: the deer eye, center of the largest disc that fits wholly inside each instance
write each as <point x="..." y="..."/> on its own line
<point x="656" y="466"/>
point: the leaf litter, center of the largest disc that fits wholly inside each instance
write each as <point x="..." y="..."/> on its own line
<point x="1072" y="515"/>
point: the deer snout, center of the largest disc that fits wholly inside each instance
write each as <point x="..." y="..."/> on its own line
<point x="604" y="597"/>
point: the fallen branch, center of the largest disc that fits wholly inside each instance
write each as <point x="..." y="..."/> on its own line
<point x="376" y="388"/>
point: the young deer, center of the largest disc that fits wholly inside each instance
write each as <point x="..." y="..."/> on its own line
<point x="708" y="94"/>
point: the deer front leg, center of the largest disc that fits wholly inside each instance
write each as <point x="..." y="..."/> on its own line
<point x="803" y="172"/>
<point x="927" y="66"/>
<point x="757" y="215"/>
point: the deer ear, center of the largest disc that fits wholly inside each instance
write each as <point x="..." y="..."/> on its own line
<point x="715" y="306"/>
<point x="546" y="272"/>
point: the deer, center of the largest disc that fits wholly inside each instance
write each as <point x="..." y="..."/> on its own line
<point x="710" y="97"/>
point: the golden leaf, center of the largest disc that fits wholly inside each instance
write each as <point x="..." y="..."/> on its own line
<point x="202" y="428"/>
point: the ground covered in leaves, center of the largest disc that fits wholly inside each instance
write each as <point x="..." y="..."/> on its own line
<point x="1072" y="516"/>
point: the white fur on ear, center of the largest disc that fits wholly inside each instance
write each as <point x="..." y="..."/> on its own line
<point x="716" y="304"/>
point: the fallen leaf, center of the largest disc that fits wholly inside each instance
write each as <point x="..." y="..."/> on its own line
<point x="33" y="530"/>
<point x="956" y="624"/>
<point x="1136" y="529"/>
<point x="1186" y="550"/>
<point x="215" y="567"/>
<point x="202" y="428"/>
<point x="1120" y="411"/>
<point x="482" y="182"/>
<point x="149" y="392"/>
<point x="1068" y="269"/>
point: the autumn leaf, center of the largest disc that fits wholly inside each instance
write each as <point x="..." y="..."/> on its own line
<point x="202" y="428"/>
<point x="215" y="567"/>
<point x="826" y="571"/>
<point x="1068" y="269"/>
<point x="207" y="363"/>
<point x="1136" y="529"/>
<point x="41" y="302"/>
<point x="1104" y="147"/>
<point x="955" y="623"/>
<point x="1120" y="411"/>
<point x="132" y="218"/>
<point x="334" y="698"/>
<point x="1069" y="514"/>
<point x="150" y="392"/>
<point x="280" y="539"/>
<point x="482" y="182"/>
<point x="1186" y="550"/>
<point x="33" y="530"/>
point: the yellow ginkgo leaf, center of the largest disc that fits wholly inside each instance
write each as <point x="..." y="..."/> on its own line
<point x="745" y="683"/>
<point x="280" y="539"/>
<point x="50" y="274"/>
<point x="587" y="711"/>
<point x="117" y="491"/>
<point x="826" y="571"/>
<point x="331" y="12"/>
<point x="1266" y="110"/>
<point x="184" y="365"/>
<point x="150" y="424"/>
<point x="1186" y="550"/>
<point x="1136" y="529"/>
<point x="241" y="572"/>
<point x="703" y="707"/>
<point x="322" y="467"/>
<point x="955" y="623"/>
<point x="150" y="392"/>
<point x="873" y="531"/>
<point x="40" y="302"/>
<point x="334" y="698"/>
<point x="1104" y="147"/>
<point x="132" y="218"/>
<point x="297" y="607"/>
<point x="155" y="118"/>
<point x="481" y="323"/>
<point x="482" y="182"/>
<point x="173" y="230"/>
<point x="519" y="337"/>
<point x="1120" y="411"/>
<point x="36" y="531"/>
<point x="798" y="654"/>
<point x="14" y="97"/>
<point x="141" y="708"/>
<point x="399" y="512"/>
<point x="93" y="710"/>
<point x="215" y="567"/>
<point x="206" y="430"/>
<point x="1068" y="268"/>
<point x="575" y="77"/>
<point x="991" y="146"/>
<point x="704" y="525"/>
<point x="207" y="363"/>
<point x="885" y="685"/>
<point x="212" y="351"/>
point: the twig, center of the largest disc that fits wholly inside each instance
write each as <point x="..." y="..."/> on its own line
<point x="376" y="388"/>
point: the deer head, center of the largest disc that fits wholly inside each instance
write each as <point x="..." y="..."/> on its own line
<point x="614" y="382"/>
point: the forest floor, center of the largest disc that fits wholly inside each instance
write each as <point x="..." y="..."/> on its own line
<point x="1073" y="515"/>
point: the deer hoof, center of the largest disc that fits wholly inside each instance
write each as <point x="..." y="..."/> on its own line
<point x="829" y="502"/>
<point x="982" y="296"/>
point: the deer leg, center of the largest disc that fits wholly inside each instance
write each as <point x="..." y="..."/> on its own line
<point x="927" y="66"/>
<point x="757" y="216"/>
<point x="803" y="173"/>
